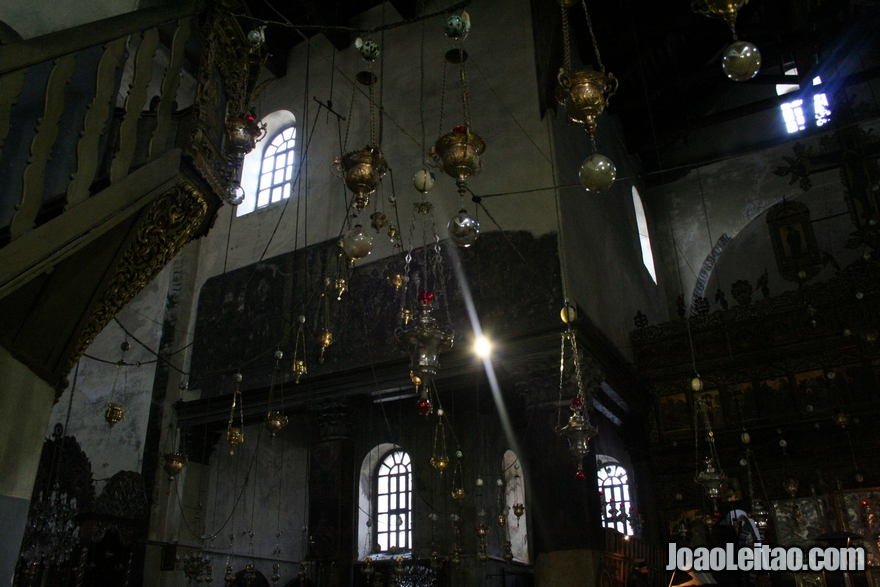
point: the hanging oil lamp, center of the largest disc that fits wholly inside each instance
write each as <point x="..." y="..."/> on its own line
<point x="508" y="552"/>
<point x="243" y="132"/>
<point x="791" y="486"/>
<point x="114" y="414"/>
<point x="299" y="367"/>
<point x="456" y="152"/>
<point x="518" y="510"/>
<point x="457" y="478"/>
<point x="275" y="420"/>
<point x="362" y="170"/>
<point x="579" y="430"/>
<point x="229" y="578"/>
<point x="439" y="458"/>
<point x="424" y="339"/>
<point x="585" y="95"/>
<point x="324" y="337"/>
<point x="173" y="463"/>
<point x="710" y="476"/>
<point x="235" y="434"/>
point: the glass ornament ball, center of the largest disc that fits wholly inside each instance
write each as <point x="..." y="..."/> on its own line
<point x="741" y="61"/>
<point x="256" y="38"/>
<point x="454" y="27"/>
<point x="234" y="194"/>
<point x="356" y="243"/>
<point x="423" y="407"/>
<point x="423" y="180"/>
<point x="697" y="383"/>
<point x="580" y="475"/>
<point x="369" y="50"/>
<point x="597" y="173"/>
<point x="463" y="229"/>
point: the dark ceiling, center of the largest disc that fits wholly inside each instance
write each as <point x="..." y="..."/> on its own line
<point x="666" y="57"/>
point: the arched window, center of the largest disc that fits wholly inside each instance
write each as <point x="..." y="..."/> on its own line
<point x="644" y="238"/>
<point x="394" y="503"/>
<point x="515" y="495"/>
<point x="268" y="171"/>
<point x="615" y="497"/>
<point x="276" y="172"/>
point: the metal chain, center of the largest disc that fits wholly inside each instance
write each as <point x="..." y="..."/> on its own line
<point x="593" y="36"/>
<point x="372" y="108"/>
<point x="566" y="40"/>
<point x="465" y="90"/>
<point x="348" y="121"/>
<point x="442" y="99"/>
<point x="577" y="365"/>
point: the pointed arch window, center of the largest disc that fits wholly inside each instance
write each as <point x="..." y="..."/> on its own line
<point x="394" y="503"/>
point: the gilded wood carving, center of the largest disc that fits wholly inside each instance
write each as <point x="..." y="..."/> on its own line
<point x="173" y="220"/>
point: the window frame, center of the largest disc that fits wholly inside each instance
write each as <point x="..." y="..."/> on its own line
<point x="408" y="492"/>
<point x="286" y="181"/>
<point x="626" y="496"/>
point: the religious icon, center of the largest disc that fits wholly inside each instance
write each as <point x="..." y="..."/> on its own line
<point x="794" y="243"/>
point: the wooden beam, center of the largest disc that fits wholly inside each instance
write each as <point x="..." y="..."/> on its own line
<point x="39" y="49"/>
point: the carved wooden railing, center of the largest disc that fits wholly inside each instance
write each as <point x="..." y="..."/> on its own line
<point x="66" y="151"/>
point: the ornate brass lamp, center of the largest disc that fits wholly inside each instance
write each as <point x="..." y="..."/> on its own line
<point x="114" y="414"/>
<point x="363" y="169"/>
<point x="275" y="420"/>
<point x="243" y="133"/>
<point x="583" y="93"/>
<point x="726" y="9"/>
<point x="299" y="367"/>
<point x="457" y="154"/>
<point x="173" y="463"/>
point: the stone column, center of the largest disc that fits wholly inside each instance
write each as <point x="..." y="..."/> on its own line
<point x="25" y="407"/>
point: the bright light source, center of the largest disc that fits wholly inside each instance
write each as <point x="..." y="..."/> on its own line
<point x="482" y="347"/>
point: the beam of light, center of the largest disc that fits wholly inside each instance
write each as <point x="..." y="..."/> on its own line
<point x="487" y="361"/>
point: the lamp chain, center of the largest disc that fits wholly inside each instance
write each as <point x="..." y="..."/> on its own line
<point x="465" y="90"/>
<point x="593" y="36"/>
<point x="566" y="40"/>
<point x="442" y="99"/>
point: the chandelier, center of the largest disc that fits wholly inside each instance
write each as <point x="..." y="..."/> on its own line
<point x="52" y="533"/>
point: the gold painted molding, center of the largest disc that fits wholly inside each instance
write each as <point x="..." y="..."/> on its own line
<point x="173" y="220"/>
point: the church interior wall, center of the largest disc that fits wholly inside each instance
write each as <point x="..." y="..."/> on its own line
<point x="731" y="198"/>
